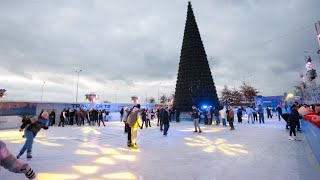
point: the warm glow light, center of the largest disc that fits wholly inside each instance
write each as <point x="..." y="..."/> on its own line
<point x="123" y="175"/>
<point x="218" y="144"/>
<point x="86" y="169"/>
<point x="89" y="130"/>
<point x="84" y="152"/>
<point x="47" y="143"/>
<point x="289" y="96"/>
<point x="49" y="176"/>
<point x="105" y="160"/>
<point x="88" y="145"/>
<point x="125" y="157"/>
<point x="204" y="129"/>
<point x="109" y="151"/>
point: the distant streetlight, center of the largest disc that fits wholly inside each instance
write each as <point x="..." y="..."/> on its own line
<point x="78" y="84"/>
<point x="42" y="89"/>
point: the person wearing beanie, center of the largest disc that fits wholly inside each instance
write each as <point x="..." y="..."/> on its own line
<point x="31" y="127"/>
<point x="134" y="121"/>
<point x="8" y="161"/>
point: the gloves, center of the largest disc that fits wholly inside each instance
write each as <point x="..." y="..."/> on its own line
<point x="30" y="173"/>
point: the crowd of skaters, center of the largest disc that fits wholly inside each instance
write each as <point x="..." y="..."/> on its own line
<point x="80" y="117"/>
<point x="136" y="118"/>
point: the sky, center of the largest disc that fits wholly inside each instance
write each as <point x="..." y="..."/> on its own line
<point x="127" y="48"/>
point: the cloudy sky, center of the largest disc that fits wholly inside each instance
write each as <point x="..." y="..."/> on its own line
<point x="130" y="48"/>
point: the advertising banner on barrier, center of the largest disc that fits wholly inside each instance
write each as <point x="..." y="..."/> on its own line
<point x="11" y="112"/>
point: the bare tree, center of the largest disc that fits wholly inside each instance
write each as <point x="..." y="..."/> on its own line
<point x="151" y="100"/>
<point x="248" y="92"/>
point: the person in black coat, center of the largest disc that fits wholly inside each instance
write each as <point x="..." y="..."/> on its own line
<point x="177" y="115"/>
<point x="293" y="121"/>
<point x="52" y="117"/>
<point x="165" y="121"/>
<point x="279" y="111"/>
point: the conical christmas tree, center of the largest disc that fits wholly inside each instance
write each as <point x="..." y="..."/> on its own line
<point x="195" y="85"/>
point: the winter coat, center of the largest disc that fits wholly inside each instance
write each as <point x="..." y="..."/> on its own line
<point x="125" y="114"/>
<point x="165" y="117"/>
<point x="34" y="124"/>
<point x="195" y="113"/>
<point x="279" y="110"/>
<point x="134" y="118"/>
<point x="249" y="111"/>
<point x="293" y="118"/>
<point x="143" y="115"/>
<point x="223" y="113"/>
<point x="230" y="115"/>
<point x="8" y="161"/>
<point x="260" y="110"/>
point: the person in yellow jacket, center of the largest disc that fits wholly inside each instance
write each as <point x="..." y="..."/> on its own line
<point x="135" y="122"/>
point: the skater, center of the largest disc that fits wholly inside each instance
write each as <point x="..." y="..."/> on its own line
<point x="195" y="114"/>
<point x="216" y="115"/>
<point x="32" y="126"/>
<point x="144" y="118"/>
<point x="8" y="161"/>
<point x="298" y="122"/>
<point x="250" y="111"/>
<point x="231" y="118"/>
<point x="107" y="115"/>
<point x="71" y="117"/>
<point x="293" y="121"/>
<point x="134" y="121"/>
<point x="279" y="111"/>
<point x="177" y="115"/>
<point x="261" y="115"/>
<point x="121" y="114"/>
<point x="161" y="113"/>
<point x="62" y="115"/>
<point x="209" y="116"/>
<point x="52" y="118"/>
<point x="100" y="119"/>
<point x="166" y="121"/>
<point x="239" y="115"/>
<point x="127" y="128"/>
<point x="148" y="122"/>
<point x="91" y="117"/>
<point x="269" y="112"/>
<point x="255" y="115"/>
<point x="223" y="114"/>
<point x="158" y="115"/>
<point x="66" y="116"/>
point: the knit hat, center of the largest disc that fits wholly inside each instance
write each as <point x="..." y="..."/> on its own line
<point x="45" y="115"/>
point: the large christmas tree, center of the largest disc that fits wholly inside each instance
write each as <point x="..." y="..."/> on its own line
<point x="195" y="85"/>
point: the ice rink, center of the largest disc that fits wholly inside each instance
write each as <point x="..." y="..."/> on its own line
<point x="251" y="152"/>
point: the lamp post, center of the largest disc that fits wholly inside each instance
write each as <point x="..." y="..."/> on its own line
<point x="42" y="89"/>
<point x="78" y="84"/>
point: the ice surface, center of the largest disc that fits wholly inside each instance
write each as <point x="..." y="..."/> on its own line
<point x="252" y="151"/>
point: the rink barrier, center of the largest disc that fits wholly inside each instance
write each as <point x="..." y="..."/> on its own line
<point x="312" y="134"/>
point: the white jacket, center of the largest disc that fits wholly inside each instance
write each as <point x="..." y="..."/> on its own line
<point x="249" y="110"/>
<point x="223" y="113"/>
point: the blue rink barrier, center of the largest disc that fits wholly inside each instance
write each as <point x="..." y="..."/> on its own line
<point x="312" y="133"/>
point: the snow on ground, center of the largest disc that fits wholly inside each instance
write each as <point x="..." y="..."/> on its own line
<point x="252" y="151"/>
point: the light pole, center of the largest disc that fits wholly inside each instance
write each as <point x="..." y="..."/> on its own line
<point x="42" y="89"/>
<point x="78" y="84"/>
